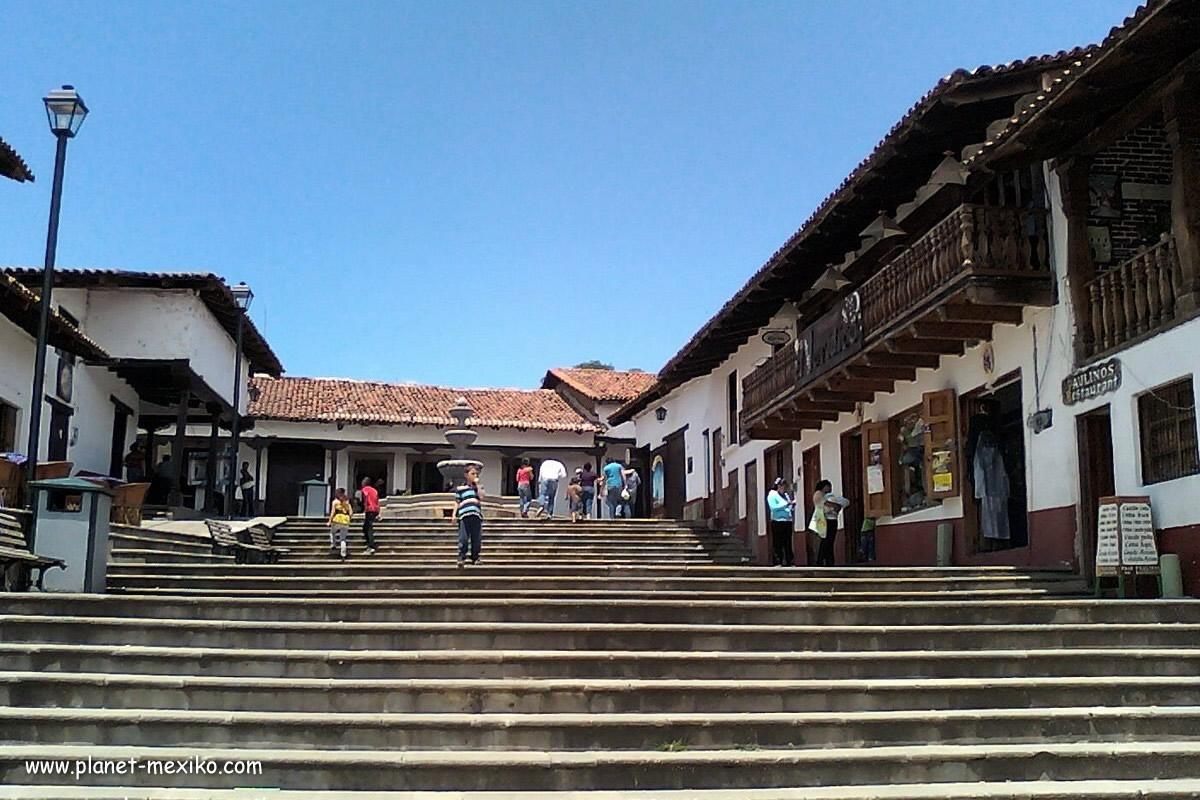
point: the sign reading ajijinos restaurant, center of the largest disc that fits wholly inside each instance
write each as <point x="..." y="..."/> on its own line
<point x="1092" y="381"/>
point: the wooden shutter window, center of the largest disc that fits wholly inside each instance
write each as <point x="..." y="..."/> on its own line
<point x="939" y="410"/>
<point x="877" y="465"/>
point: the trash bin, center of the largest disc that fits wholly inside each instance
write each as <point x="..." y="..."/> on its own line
<point x="314" y="498"/>
<point x="71" y="523"/>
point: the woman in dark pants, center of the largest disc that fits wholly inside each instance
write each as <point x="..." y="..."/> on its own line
<point x="833" y="504"/>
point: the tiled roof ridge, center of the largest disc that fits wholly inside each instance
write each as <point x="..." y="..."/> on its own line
<point x="19" y="169"/>
<point x="403" y="384"/>
<point x="1067" y="78"/>
<point x="953" y="80"/>
<point x="253" y="337"/>
<point x="308" y="399"/>
<point x="584" y="380"/>
<point x="16" y="287"/>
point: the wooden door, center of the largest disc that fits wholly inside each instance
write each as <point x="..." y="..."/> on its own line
<point x="289" y="463"/>
<point x="777" y="463"/>
<point x="718" y="495"/>
<point x="810" y="464"/>
<point x="852" y="490"/>
<point x="732" y="510"/>
<point x="675" y="477"/>
<point x="753" y="501"/>
<point x="116" y="458"/>
<point x="60" y="432"/>
<point x="1096" y="480"/>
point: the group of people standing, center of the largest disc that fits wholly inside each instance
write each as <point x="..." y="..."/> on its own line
<point x="617" y="484"/>
<point x="827" y="509"/>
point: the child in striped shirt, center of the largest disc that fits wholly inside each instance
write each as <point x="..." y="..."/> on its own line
<point x="469" y="513"/>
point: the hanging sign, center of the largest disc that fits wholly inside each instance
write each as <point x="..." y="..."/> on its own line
<point x="1091" y="382"/>
<point x="830" y="339"/>
<point x="1125" y="537"/>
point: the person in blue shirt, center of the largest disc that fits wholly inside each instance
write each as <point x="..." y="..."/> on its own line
<point x="614" y="485"/>
<point x="468" y="497"/>
<point x="783" y="509"/>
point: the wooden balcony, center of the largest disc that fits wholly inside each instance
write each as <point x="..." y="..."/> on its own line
<point x="771" y="380"/>
<point x="1135" y="299"/>
<point x="977" y="267"/>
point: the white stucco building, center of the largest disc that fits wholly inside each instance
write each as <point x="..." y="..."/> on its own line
<point x="1035" y="295"/>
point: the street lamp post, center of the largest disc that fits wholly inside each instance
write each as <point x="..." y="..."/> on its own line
<point x="242" y="296"/>
<point x="65" y="111"/>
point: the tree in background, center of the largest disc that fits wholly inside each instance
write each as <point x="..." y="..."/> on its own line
<point x="593" y="365"/>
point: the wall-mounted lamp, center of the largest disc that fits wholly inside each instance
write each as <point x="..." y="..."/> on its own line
<point x="660" y="413"/>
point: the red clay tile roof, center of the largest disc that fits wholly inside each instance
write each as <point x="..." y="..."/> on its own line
<point x="373" y="402"/>
<point x="601" y="384"/>
<point x="12" y="165"/>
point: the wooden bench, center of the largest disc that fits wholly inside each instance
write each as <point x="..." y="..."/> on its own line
<point x="17" y="562"/>
<point x="244" y="551"/>
<point x="261" y="537"/>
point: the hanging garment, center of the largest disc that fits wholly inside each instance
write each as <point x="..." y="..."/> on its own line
<point x="991" y="488"/>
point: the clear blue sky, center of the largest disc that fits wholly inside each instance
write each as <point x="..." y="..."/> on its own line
<point x="471" y="193"/>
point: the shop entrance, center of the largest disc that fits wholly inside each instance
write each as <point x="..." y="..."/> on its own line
<point x="810" y="466"/>
<point x="1096" y="480"/>
<point x="995" y="455"/>
<point x="852" y="490"/>
<point x="374" y="468"/>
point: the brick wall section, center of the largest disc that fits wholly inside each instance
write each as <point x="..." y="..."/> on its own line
<point x="1141" y="156"/>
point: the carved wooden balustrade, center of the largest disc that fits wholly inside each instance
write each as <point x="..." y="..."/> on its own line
<point x="769" y="382"/>
<point x="974" y="239"/>
<point x="1136" y="297"/>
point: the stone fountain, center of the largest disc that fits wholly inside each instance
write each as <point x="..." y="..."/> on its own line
<point x="460" y="437"/>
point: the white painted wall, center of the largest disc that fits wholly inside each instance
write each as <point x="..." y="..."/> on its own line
<point x="701" y="404"/>
<point x="17" y="350"/>
<point x="91" y="424"/>
<point x="143" y="323"/>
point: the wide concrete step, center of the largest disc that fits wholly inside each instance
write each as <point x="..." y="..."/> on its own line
<point x="584" y="696"/>
<point x="525" y="771"/>
<point x="311" y="595"/>
<point x="1172" y="789"/>
<point x="696" y="609"/>
<point x="624" y="664"/>
<point x="590" y="636"/>
<point x="138" y="576"/>
<point x="564" y="731"/>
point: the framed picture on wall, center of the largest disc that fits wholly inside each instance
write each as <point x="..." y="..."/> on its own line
<point x="1104" y="196"/>
<point x="1100" y="240"/>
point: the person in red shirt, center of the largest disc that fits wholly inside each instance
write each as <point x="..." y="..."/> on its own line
<point x="525" y="486"/>
<point x="370" y="498"/>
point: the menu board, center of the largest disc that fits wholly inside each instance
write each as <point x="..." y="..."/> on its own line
<point x="1108" y="540"/>
<point x="1125" y="537"/>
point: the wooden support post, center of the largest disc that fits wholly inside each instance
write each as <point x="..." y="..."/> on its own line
<point x="1182" y="116"/>
<point x="177" y="471"/>
<point x="210" y="474"/>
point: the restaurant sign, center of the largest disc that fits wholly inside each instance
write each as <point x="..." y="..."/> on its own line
<point x="1091" y="382"/>
<point x="831" y="339"/>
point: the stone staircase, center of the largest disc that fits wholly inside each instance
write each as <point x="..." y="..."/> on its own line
<point x="631" y="659"/>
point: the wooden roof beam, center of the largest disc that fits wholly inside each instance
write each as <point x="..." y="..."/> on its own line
<point x="946" y="347"/>
<point x="951" y="330"/>
<point x="911" y="360"/>
<point x="975" y="312"/>
<point x="897" y="373"/>
<point x="839" y="396"/>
